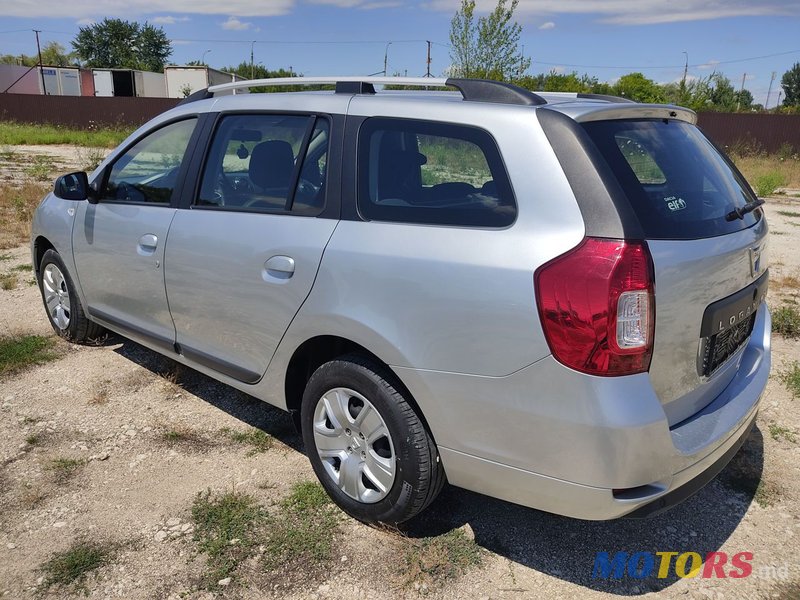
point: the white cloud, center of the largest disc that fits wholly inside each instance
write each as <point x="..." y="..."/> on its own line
<point x="128" y="9"/>
<point x="548" y="25"/>
<point x="361" y="4"/>
<point x="168" y="20"/>
<point x="234" y="24"/>
<point x="641" y="12"/>
<point x="84" y="22"/>
<point x="712" y="64"/>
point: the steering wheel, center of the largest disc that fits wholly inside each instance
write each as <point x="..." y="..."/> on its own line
<point x="306" y="190"/>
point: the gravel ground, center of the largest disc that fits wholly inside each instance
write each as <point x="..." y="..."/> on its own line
<point x="108" y="406"/>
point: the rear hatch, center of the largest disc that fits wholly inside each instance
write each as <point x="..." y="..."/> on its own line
<point x="710" y="264"/>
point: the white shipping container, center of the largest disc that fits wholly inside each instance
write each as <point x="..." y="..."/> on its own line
<point x="103" y="83"/>
<point x="50" y="81"/>
<point x="181" y="80"/>
<point x="150" y="85"/>
<point x="69" y="81"/>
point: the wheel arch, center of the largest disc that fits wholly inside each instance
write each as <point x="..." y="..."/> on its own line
<point x="316" y="351"/>
<point x="41" y="245"/>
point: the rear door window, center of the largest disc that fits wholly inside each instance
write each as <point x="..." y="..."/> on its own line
<point x="435" y="173"/>
<point x="679" y="185"/>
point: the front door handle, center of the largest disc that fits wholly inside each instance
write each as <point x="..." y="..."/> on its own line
<point x="280" y="267"/>
<point x="147" y="244"/>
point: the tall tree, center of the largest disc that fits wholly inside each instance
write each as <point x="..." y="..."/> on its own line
<point x="637" y="87"/>
<point x="118" y="44"/>
<point x="53" y="55"/>
<point x="487" y="48"/>
<point x="790" y="82"/>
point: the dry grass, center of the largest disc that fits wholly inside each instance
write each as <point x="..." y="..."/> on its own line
<point x="755" y="167"/>
<point x="17" y="204"/>
<point x="432" y="561"/>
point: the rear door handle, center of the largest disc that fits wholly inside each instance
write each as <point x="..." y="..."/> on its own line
<point x="279" y="267"/>
<point x="147" y="244"/>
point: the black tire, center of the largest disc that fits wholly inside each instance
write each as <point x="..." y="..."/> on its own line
<point x="79" y="329"/>
<point x="419" y="475"/>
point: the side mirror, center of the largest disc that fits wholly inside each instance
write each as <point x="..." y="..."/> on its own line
<point x="74" y="186"/>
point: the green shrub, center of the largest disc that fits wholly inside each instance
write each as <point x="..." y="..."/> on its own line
<point x="766" y="184"/>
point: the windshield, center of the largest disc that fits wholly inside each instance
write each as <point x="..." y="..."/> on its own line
<point x="679" y="185"/>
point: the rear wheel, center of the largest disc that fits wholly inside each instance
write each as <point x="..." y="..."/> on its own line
<point x="367" y="445"/>
<point x="64" y="309"/>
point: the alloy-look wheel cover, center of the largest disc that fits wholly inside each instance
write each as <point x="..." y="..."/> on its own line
<point x="56" y="296"/>
<point x="354" y="444"/>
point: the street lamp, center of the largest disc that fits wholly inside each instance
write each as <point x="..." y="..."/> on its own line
<point x="386" y="58"/>
<point x="685" y="69"/>
<point x="252" y="66"/>
<point x="203" y="57"/>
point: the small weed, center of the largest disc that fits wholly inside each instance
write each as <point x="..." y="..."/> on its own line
<point x="773" y="232"/>
<point x="300" y="539"/>
<point x="30" y="420"/>
<point x="65" y="469"/>
<point x="767" y="494"/>
<point x="70" y="568"/>
<point x="100" y="397"/>
<point x="7" y="152"/>
<point x="5" y="257"/>
<point x="33" y="439"/>
<point x="90" y="158"/>
<point x="16" y="353"/>
<point x="434" y="560"/>
<point x="766" y="184"/>
<point x="8" y="281"/>
<point x="786" y="321"/>
<point x="40" y="167"/>
<point x="23" y="268"/>
<point x="778" y="432"/>
<point x="183" y="435"/>
<point x="259" y="441"/>
<point x="32" y="496"/>
<point x="791" y="379"/>
<point x="227" y="528"/>
<point x="789" y="213"/>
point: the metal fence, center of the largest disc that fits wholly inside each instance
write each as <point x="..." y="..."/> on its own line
<point x="759" y="132"/>
<point x="754" y="132"/>
<point x="81" y="112"/>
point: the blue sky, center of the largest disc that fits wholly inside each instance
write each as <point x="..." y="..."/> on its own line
<point x="605" y="38"/>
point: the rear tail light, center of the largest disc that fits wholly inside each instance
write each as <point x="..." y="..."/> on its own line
<point x="597" y="308"/>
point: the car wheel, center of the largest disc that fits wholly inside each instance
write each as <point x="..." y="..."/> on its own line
<point x="367" y="445"/>
<point x="61" y="302"/>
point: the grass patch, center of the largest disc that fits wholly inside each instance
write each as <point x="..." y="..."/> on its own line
<point x="227" y="528"/>
<point x="766" y="184"/>
<point x="13" y="134"/>
<point x="23" y="268"/>
<point x="183" y="435"/>
<point x="434" y="560"/>
<point x="65" y="469"/>
<point x="8" y="281"/>
<point x="788" y="282"/>
<point x="755" y="165"/>
<point x="778" y="432"/>
<point x="40" y="167"/>
<point x="33" y="439"/>
<point x="789" y="213"/>
<point x="4" y="257"/>
<point x="71" y="567"/>
<point x="300" y="539"/>
<point x="295" y="543"/>
<point x="17" y="353"/>
<point x="258" y="441"/>
<point x="791" y="379"/>
<point x="17" y="203"/>
<point x="786" y="321"/>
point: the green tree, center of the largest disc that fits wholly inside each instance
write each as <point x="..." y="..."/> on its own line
<point x="744" y="99"/>
<point x="637" y="87"/>
<point x="118" y="44"/>
<point x="53" y="55"/>
<point x="259" y="71"/>
<point x="487" y="48"/>
<point x="722" y="95"/>
<point x="790" y="82"/>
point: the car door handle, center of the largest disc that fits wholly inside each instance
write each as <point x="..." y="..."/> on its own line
<point x="280" y="267"/>
<point x="147" y="244"/>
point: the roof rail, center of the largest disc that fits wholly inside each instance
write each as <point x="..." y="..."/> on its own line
<point x="475" y="90"/>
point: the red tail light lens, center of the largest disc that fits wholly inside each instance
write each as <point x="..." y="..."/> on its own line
<point x="597" y="308"/>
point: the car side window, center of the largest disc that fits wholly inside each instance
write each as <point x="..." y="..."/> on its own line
<point x="432" y="173"/>
<point x="147" y="171"/>
<point x="267" y="162"/>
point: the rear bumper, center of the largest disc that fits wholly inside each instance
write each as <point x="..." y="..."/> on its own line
<point x="551" y="439"/>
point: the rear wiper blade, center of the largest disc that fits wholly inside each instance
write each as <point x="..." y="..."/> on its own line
<point x="739" y="213"/>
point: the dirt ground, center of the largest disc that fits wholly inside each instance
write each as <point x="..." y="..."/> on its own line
<point x="108" y="407"/>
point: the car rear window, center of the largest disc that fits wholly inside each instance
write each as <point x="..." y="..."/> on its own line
<point x="434" y="173"/>
<point x="678" y="183"/>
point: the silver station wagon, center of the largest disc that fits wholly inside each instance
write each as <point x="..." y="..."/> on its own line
<point x="552" y="299"/>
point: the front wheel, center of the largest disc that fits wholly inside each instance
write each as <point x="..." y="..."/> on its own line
<point x="64" y="309"/>
<point x="367" y="445"/>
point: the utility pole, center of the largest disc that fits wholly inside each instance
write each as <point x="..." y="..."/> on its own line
<point x="252" y="66"/>
<point x="41" y="70"/>
<point x="778" y="105"/>
<point x="685" y="70"/>
<point x="428" y="72"/>
<point x="386" y="58"/>
<point x="769" y="91"/>
<point x="741" y="91"/>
